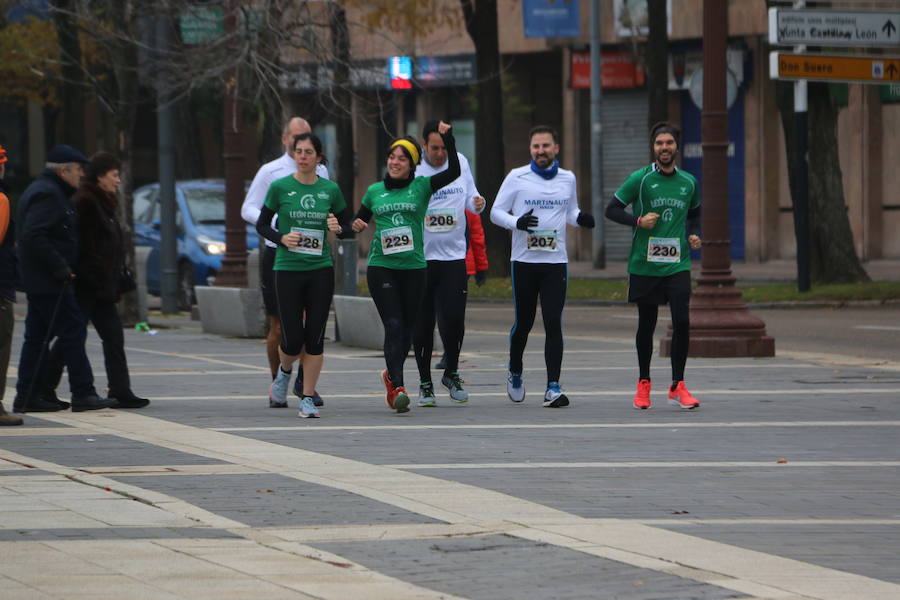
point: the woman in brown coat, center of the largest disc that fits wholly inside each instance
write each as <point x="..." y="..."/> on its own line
<point x="101" y="277"/>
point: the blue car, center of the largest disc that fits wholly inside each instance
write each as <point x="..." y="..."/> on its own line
<point x="200" y="222"/>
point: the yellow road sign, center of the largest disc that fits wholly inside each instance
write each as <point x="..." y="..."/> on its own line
<point x="822" y="67"/>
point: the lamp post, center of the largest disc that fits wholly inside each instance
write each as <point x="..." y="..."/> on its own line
<point x="721" y="324"/>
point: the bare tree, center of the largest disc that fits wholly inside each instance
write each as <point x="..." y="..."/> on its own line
<point x="481" y="24"/>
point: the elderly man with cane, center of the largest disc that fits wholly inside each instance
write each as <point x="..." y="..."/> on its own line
<point x="47" y="238"/>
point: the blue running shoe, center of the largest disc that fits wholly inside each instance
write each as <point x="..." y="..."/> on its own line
<point x="308" y="409"/>
<point x="298" y="389"/>
<point x="278" y="390"/>
<point x="515" y="387"/>
<point x="554" y="397"/>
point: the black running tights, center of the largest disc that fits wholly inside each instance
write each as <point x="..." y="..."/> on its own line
<point x="304" y="301"/>
<point x="529" y="282"/>
<point x="444" y="302"/>
<point x="679" y="306"/>
<point x="398" y="297"/>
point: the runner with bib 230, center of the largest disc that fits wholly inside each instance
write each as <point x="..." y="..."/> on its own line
<point x="396" y="271"/>
<point x="666" y="221"/>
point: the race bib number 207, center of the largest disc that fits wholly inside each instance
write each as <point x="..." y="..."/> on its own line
<point x="543" y="240"/>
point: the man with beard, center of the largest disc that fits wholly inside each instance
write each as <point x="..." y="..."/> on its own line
<point x="666" y="217"/>
<point x="536" y="202"/>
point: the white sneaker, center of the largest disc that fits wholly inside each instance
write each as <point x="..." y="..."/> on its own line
<point x="278" y="389"/>
<point x="308" y="409"/>
<point x="554" y="397"/>
<point x="515" y="387"/>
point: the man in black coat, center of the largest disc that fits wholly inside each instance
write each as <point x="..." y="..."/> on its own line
<point x="47" y="238"/>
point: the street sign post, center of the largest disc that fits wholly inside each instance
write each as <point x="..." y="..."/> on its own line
<point x="846" y="68"/>
<point x="858" y="29"/>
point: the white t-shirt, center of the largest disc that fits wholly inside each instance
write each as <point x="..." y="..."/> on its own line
<point x="555" y="203"/>
<point x="445" y="221"/>
<point x="269" y="172"/>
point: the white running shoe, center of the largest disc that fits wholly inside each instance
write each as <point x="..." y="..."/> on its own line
<point x="278" y="389"/>
<point x="308" y="409"/>
<point x="515" y="387"/>
<point x="554" y="397"/>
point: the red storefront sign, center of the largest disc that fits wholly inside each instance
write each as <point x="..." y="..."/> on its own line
<point x="618" y="71"/>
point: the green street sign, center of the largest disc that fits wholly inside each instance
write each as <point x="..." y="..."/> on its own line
<point x="890" y="94"/>
<point x="201" y="24"/>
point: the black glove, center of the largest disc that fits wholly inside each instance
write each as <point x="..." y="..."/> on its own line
<point x="527" y="221"/>
<point x="585" y="220"/>
<point x="480" y="278"/>
<point x="62" y="274"/>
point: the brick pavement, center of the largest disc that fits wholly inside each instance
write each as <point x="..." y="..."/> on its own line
<point x="488" y="500"/>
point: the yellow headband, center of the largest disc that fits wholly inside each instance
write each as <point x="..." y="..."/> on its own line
<point x="410" y="147"/>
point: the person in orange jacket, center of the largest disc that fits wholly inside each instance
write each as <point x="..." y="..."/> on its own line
<point x="476" y="255"/>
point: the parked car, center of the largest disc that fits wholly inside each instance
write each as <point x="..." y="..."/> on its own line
<point x="200" y="222"/>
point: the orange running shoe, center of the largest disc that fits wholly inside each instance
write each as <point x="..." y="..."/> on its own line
<point x="642" y="396"/>
<point x="400" y="400"/>
<point x="682" y="398"/>
<point x="388" y="388"/>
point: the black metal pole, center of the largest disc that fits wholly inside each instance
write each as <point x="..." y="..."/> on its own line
<point x="165" y="131"/>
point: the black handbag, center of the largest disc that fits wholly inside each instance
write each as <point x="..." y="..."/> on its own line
<point x="126" y="281"/>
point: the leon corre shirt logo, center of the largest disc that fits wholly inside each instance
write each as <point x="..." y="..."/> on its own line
<point x="397" y="220"/>
<point x="307" y="202"/>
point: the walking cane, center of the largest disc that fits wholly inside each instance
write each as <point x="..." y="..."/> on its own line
<point x="44" y="347"/>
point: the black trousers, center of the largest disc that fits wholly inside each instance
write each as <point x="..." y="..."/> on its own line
<point x="398" y="296"/>
<point x="70" y="330"/>
<point x="104" y="316"/>
<point x="549" y="282"/>
<point x="446" y="290"/>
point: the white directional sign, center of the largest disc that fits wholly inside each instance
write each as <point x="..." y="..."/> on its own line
<point x="834" y="28"/>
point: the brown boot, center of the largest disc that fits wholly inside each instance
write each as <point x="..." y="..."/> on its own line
<point x="8" y="419"/>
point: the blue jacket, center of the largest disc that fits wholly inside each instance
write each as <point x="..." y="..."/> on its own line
<point x="47" y="234"/>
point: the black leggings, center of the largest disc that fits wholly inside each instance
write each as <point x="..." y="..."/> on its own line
<point x="398" y="297"/>
<point x="304" y="300"/>
<point x="679" y="305"/>
<point x="549" y="281"/>
<point x="445" y="302"/>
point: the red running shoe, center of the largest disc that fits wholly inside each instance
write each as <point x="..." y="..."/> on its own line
<point x="388" y="388"/>
<point x="400" y="400"/>
<point x="642" y="396"/>
<point x="682" y="398"/>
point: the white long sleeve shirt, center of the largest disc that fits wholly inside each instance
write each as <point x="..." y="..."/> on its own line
<point x="445" y="219"/>
<point x="555" y="204"/>
<point x="269" y="172"/>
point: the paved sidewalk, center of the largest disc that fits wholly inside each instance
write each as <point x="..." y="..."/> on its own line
<point x="784" y="485"/>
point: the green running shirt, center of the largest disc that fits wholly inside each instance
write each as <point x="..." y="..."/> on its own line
<point x="399" y="215"/>
<point x="304" y="208"/>
<point x="664" y="250"/>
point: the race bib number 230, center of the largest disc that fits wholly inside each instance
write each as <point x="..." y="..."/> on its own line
<point x="664" y="250"/>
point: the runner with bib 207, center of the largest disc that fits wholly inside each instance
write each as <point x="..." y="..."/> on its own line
<point x="666" y="221"/>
